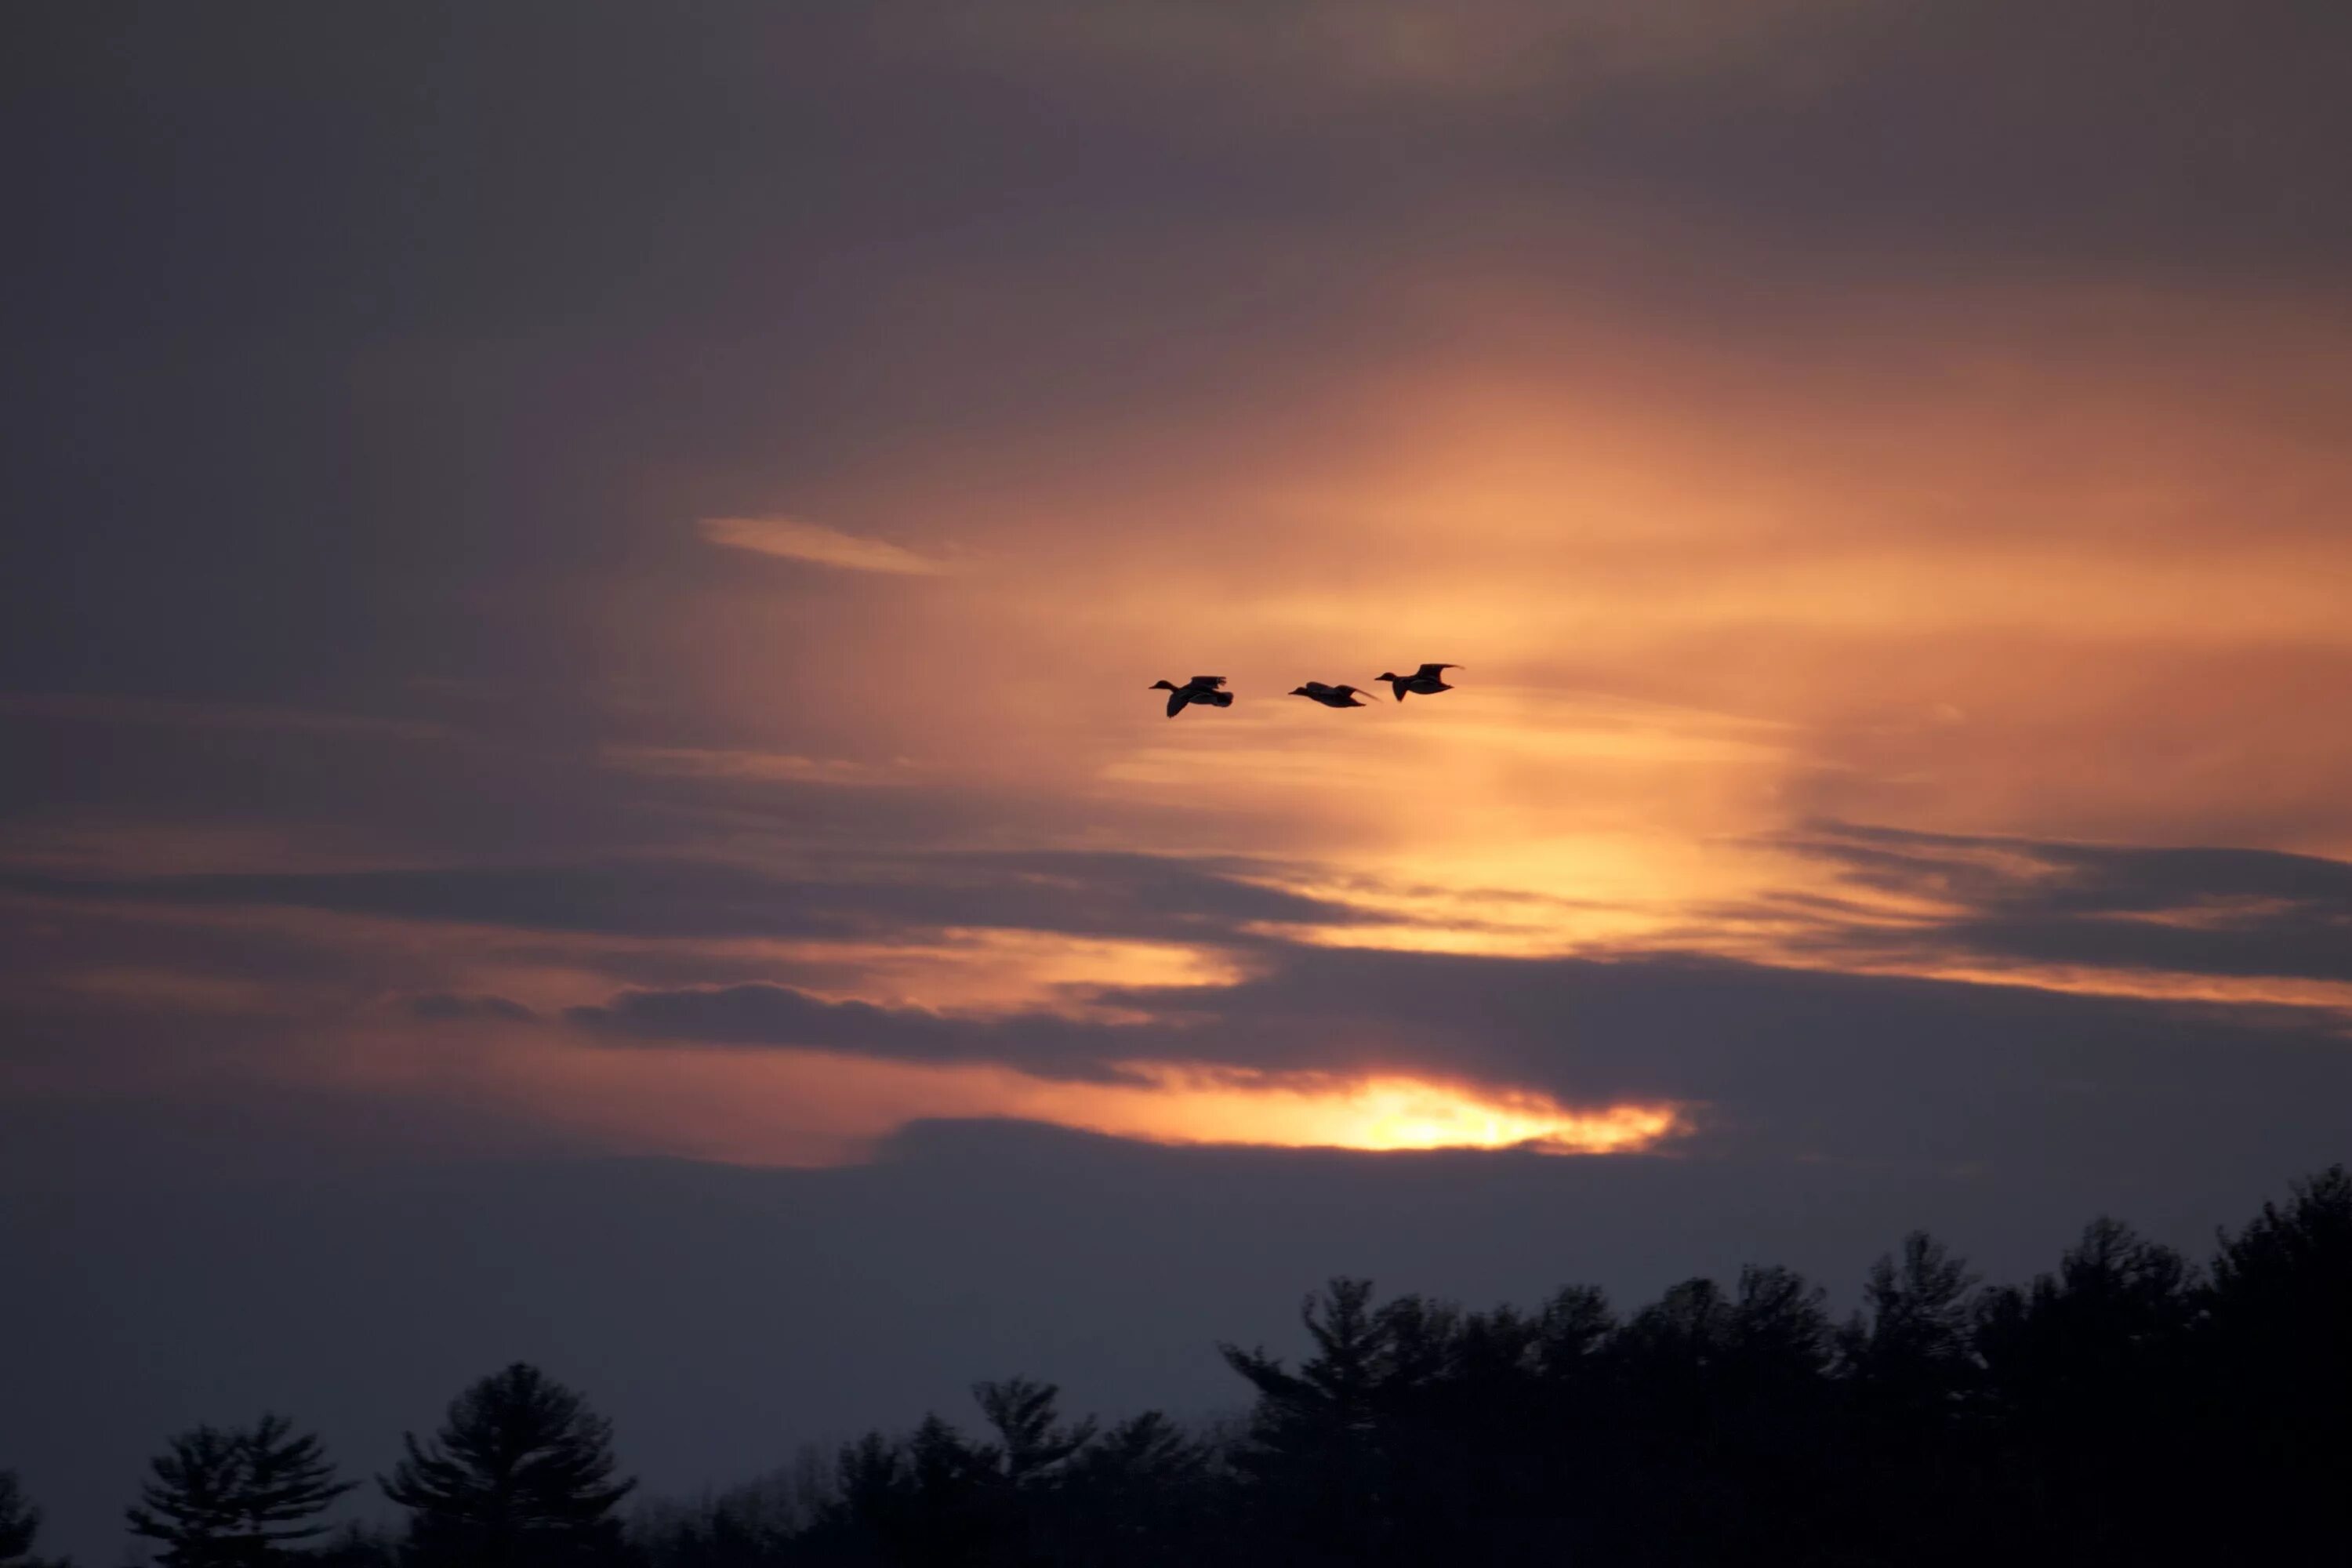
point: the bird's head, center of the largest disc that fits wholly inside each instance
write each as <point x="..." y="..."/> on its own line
<point x="1388" y="675"/>
<point x="1164" y="686"/>
<point x="1300" y="691"/>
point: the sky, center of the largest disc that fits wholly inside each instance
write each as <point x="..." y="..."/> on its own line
<point x="583" y="587"/>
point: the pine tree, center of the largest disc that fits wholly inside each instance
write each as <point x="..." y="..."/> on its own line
<point x="20" y="1525"/>
<point x="189" y="1505"/>
<point x="288" y="1483"/>
<point x="2085" y="1375"/>
<point x="1033" y="1442"/>
<point x="233" y="1499"/>
<point x="20" y="1520"/>
<point x="1908" y="1350"/>
<point x="1141" y="1495"/>
<point x="2282" y="1352"/>
<point x="520" y="1475"/>
<point x="2282" y="1293"/>
<point x="1316" y="1464"/>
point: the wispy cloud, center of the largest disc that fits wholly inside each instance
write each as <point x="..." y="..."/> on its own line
<point x="2141" y="910"/>
<point x="824" y="546"/>
<point x="100" y="707"/>
<point x="762" y="767"/>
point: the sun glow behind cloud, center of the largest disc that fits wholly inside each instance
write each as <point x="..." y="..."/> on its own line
<point x="1186" y="1103"/>
<point x="811" y="1107"/>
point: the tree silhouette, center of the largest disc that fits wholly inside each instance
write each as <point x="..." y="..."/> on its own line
<point x="1722" y="1402"/>
<point x="1908" y="1345"/>
<point x="356" y="1545"/>
<point x="873" y="1476"/>
<point x="2282" y="1291"/>
<point x="234" y="1499"/>
<point x="2089" y="1382"/>
<point x="1313" y="1454"/>
<point x="758" y="1523"/>
<point x="950" y="1520"/>
<point x="20" y="1521"/>
<point x="190" y="1503"/>
<point x="1044" y="1492"/>
<point x="1031" y="1441"/>
<point x="2119" y="1408"/>
<point x="1143" y="1493"/>
<point x="20" y="1526"/>
<point x="2096" y="1331"/>
<point x="1908" y="1362"/>
<point x="288" y="1483"/>
<point x="2115" y="1409"/>
<point x="2282" y="1316"/>
<point x="520" y="1475"/>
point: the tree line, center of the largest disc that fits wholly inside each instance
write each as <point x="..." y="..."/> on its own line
<point x="2129" y="1407"/>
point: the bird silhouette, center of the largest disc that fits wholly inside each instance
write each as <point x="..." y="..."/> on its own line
<point x="1330" y="696"/>
<point x="1422" y="682"/>
<point x="1200" y="689"/>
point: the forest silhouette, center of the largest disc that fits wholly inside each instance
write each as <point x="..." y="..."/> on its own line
<point x="2130" y="1407"/>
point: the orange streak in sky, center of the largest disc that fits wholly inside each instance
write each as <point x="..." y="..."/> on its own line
<point x="793" y="1107"/>
<point x="1190" y="1104"/>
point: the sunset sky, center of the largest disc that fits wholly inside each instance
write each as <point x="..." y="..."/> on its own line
<point x="577" y="772"/>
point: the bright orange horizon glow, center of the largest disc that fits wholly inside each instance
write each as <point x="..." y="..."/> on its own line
<point x="1188" y="1103"/>
<point x="796" y="1107"/>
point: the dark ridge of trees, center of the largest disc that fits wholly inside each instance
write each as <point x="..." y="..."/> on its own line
<point x="2127" y="1407"/>
<point x="2278" y="1371"/>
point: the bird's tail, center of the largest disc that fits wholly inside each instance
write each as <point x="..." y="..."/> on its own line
<point x="1221" y="699"/>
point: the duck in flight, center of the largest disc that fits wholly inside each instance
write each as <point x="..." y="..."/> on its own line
<point x="1200" y="689"/>
<point x="1422" y="682"/>
<point x="1330" y="696"/>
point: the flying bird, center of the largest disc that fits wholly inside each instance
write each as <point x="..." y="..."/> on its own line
<point x="1422" y="682"/>
<point x="1200" y="689"/>
<point x="1330" y="696"/>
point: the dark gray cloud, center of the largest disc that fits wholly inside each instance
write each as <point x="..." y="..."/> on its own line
<point x="2199" y="910"/>
<point x="1851" y="1067"/>
<point x="1094" y="894"/>
<point x="1856" y="1068"/>
<point x="440" y="1006"/>
<point x="779" y="1016"/>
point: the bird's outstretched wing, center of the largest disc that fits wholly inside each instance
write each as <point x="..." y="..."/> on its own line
<point x="1176" y="701"/>
<point x="1208" y="682"/>
<point x="1429" y="672"/>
